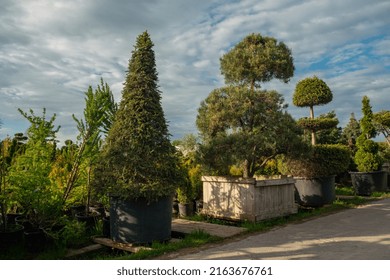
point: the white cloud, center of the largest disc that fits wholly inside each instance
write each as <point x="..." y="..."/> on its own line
<point x="50" y="51"/>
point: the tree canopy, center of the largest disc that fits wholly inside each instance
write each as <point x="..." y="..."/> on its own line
<point x="310" y="92"/>
<point x="243" y="127"/>
<point x="382" y="124"/>
<point x="255" y="60"/>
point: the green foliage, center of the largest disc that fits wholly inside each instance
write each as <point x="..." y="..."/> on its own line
<point x="29" y="175"/>
<point x="332" y="134"/>
<point x="350" y="133"/>
<point x="191" y="185"/>
<point x="382" y="124"/>
<point x="138" y="159"/>
<point x="72" y="234"/>
<point x="308" y="93"/>
<point x="366" y="157"/>
<point x="245" y="128"/>
<point x="99" y="114"/>
<point x="311" y="91"/>
<point x="10" y="149"/>
<point x="257" y="59"/>
<point x="384" y="152"/>
<point x="317" y="124"/>
<point x="319" y="160"/>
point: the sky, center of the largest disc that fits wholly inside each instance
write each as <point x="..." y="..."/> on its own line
<point x="51" y="51"/>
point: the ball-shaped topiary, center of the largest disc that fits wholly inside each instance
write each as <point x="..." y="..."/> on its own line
<point x="312" y="91"/>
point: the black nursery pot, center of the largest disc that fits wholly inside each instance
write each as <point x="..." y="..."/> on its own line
<point x="89" y="220"/>
<point x="106" y="227"/>
<point x="35" y="240"/>
<point x="139" y="221"/>
<point x="11" y="237"/>
<point x="365" y="183"/>
<point x="315" y="192"/>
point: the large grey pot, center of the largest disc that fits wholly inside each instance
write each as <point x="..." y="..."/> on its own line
<point x="140" y="222"/>
<point x="315" y="192"/>
<point x="365" y="183"/>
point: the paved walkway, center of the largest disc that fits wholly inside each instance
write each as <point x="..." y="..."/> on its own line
<point x="355" y="234"/>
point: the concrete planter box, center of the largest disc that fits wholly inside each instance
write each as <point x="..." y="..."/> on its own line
<point x="248" y="199"/>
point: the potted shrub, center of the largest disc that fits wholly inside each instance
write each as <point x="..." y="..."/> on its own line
<point x="138" y="166"/>
<point x="98" y="114"/>
<point x="185" y="194"/>
<point x="10" y="233"/>
<point x="315" y="171"/>
<point x="369" y="178"/>
<point x="38" y="196"/>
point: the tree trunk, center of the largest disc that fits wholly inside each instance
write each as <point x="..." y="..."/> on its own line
<point x="246" y="169"/>
<point x="313" y="135"/>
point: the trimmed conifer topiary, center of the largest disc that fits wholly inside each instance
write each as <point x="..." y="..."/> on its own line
<point x="138" y="160"/>
<point x="311" y="92"/>
<point x="367" y="158"/>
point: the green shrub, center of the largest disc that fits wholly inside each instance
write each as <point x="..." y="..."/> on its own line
<point x="317" y="123"/>
<point x="320" y="160"/>
<point x="367" y="158"/>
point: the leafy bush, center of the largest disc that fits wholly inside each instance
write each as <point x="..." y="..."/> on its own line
<point x="367" y="158"/>
<point x="317" y="124"/>
<point x="320" y="160"/>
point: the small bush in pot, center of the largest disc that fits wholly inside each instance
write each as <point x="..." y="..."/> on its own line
<point x="315" y="170"/>
<point x="367" y="158"/>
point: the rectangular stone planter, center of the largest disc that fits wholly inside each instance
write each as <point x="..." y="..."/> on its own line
<point x="248" y="199"/>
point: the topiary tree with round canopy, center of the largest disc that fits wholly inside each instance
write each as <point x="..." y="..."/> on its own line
<point x="257" y="59"/>
<point x="311" y="92"/>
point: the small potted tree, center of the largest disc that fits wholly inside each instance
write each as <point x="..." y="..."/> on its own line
<point x="314" y="171"/>
<point x="10" y="234"/>
<point x="138" y="166"/>
<point x="315" y="177"/>
<point x="369" y="178"/>
<point x="29" y="175"/>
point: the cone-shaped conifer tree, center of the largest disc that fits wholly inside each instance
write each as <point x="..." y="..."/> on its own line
<point x="138" y="159"/>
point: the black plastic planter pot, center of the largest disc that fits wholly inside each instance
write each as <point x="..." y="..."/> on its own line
<point x="35" y="240"/>
<point x="140" y="222"/>
<point x="315" y="192"/>
<point x="89" y="220"/>
<point x="12" y="236"/>
<point x="365" y="183"/>
<point x="106" y="227"/>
